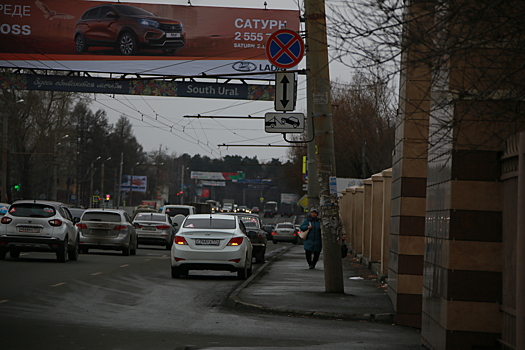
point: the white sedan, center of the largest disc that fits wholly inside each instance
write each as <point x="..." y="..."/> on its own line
<point x="211" y="242"/>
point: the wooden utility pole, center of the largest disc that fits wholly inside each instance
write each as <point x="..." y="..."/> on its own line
<point x="324" y="142"/>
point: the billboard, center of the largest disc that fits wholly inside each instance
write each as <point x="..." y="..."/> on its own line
<point x="139" y="183"/>
<point x="138" y="38"/>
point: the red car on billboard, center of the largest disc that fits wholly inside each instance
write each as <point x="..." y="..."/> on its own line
<point x="127" y="29"/>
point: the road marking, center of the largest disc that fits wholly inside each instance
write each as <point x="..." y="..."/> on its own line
<point x="125" y="265"/>
<point x="58" y="284"/>
<point x="96" y="273"/>
<point x="3" y="301"/>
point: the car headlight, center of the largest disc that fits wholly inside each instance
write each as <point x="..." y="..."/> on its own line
<point x="149" y="23"/>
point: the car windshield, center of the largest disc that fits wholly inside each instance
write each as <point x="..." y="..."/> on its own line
<point x="150" y="217"/>
<point x="133" y="11"/>
<point x="209" y="223"/>
<point x="175" y="211"/>
<point x="33" y="210"/>
<point x="285" y="226"/>
<point x="101" y="216"/>
<point x="250" y="221"/>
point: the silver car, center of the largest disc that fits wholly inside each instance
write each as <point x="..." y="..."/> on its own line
<point x="108" y="229"/>
<point x="285" y="232"/>
<point x="154" y="229"/>
<point x="42" y="226"/>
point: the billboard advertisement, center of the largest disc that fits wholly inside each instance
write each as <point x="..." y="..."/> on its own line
<point x="138" y="38"/>
<point x="139" y="183"/>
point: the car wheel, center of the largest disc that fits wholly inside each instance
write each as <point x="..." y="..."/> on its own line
<point x="126" y="251"/>
<point x="274" y="241"/>
<point x="295" y="241"/>
<point x="14" y="253"/>
<point x="259" y="258"/>
<point x="84" y="250"/>
<point x="73" y="253"/>
<point x="3" y="253"/>
<point x="245" y="271"/>
<point x="80" y="43"/>
<point x="127" y="44"/>
<point x="176" y="272"/>
<point x="62" y="252"/>
<point x="133" y="250"/>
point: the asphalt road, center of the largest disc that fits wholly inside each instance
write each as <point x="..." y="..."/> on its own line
<point x="109" y="301"/>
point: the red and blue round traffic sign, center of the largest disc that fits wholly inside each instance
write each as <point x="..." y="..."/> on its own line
<point x="285" y="48"/>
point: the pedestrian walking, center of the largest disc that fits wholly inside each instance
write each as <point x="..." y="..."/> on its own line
<point x="313" y="243"/>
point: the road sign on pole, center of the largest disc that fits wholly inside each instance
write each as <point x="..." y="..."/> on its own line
<point x="292" y="123"/>
<point x="285" y="91"/>
<point x="285" y="48"/>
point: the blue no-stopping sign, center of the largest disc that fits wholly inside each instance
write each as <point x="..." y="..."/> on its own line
<point x="285" y="48"/>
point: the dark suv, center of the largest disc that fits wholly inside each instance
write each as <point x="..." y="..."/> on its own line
<point x="127" y="28"/>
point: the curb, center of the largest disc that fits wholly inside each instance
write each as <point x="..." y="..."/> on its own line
<point x="233" y="301"/>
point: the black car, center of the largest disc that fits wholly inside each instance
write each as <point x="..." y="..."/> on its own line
<point x="127" y="29"/>
<point x="269" y="228"/>
<point x="257" y="235"/>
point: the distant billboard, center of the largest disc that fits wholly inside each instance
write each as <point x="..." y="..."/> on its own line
<point x="138" y="38"/>
<point x="139" y="183"/>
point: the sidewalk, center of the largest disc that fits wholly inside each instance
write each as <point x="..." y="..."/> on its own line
<point x="285" y="285"/>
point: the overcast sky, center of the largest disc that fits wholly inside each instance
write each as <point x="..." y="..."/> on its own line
<point x="150" y="115"/>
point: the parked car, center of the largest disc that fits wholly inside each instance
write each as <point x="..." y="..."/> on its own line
<point x="108" y="229"/>
<point x="257" y="235"/>
<point x="127" y="28"/>
<point x="154" y="229"/>
<point x="212" y="242"/>
<point x="41" y="226"/>
<point x="285" y="232"/>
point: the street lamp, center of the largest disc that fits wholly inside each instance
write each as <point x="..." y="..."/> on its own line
<point x="92" y="170"/>
<point x="5" y="133"/>
<point x="102" y="180"/>
<point x="54" y="193"/>
<point x="131" y="185"/>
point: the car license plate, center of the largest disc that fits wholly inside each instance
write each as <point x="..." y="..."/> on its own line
<point x="29" y="229"/>
<point x="96" y="232"/>
<point x="200" y="241"/>
<point x="149" y="228"/>
<point x="172" y="35"/>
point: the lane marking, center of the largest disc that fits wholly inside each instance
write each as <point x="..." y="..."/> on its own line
<point x="58" y="284"/>
<point x="125" y="265"/>
<point x="3" y="301"/>
<point x="96" y="273"/>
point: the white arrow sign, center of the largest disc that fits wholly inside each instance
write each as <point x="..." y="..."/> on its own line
<point x="284" y="91"/>
<point x="292" y="123"/>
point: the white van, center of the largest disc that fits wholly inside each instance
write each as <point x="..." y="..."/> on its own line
<point x="172" y="210"/>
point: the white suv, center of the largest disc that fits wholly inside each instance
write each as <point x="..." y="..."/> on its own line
<point x="42" y="226"/>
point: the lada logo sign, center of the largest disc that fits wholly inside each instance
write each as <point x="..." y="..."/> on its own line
<point x="244" y="66"/>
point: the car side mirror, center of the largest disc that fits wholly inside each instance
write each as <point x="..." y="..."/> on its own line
<point x="136" y="224"/>
<point x="252" y="234"/>
<point x="76" y="219"/>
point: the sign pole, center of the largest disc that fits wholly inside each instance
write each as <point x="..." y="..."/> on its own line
<point x="324" y="141"/>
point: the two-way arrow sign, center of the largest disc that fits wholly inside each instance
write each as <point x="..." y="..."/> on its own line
<point x="284" y="91"/>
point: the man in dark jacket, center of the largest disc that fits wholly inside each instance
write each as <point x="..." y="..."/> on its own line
<point x="313" y="244"/>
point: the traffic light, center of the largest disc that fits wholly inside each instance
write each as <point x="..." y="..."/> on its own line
<point x="17" y="187"/>
<point x="108" y="197"/>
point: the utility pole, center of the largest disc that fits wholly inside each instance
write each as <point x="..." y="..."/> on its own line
<point x="324" y="142"/>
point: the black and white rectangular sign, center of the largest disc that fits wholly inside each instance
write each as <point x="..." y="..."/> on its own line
<point x="292" y="123"/>
<point x="285" y="91"/>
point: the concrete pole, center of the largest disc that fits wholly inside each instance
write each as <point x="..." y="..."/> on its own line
<point x="311" y="165"/>
<point x="120" y="180"/>
<point x="324" y="142"/>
